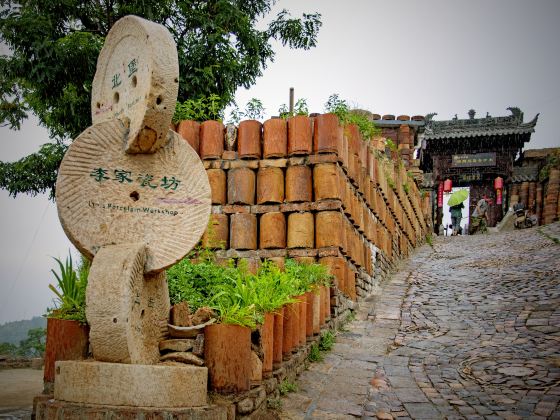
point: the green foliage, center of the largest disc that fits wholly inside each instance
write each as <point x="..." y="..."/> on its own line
<point x="9" y="349"/>
<point x="274" y="403"/>
<point x="346" y="116"/>
<point x="35" y="173"/>
<point x="314" y="354"/>
<point x="54" y="45"/>
<point x="326" y="342"/>
<point x="238" y="296"/>
<point x="406" y="188"/>
<point x="70" y="290"/>
<point x="287" y="386"/>
<point x="254" y="110"/>
<point x="391" y="183"/>
<point x="200" y="109"/>
<point x="32" y="346"/>
<point x="300" y="108"/>
<point x="552" y="161"/>
<point x="391" y="145"/>
<point x="430" y="240"/>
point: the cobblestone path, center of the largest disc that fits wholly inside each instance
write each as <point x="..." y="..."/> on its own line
<point x="467" y="329"/>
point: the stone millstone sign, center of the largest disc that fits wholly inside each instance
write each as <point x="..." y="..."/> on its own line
<point x="133" y="196"/>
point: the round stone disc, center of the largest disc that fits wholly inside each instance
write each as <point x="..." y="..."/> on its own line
<point x="105" y="196"/>
<point x="128" y="317"/>
<point x="136" y="81"/>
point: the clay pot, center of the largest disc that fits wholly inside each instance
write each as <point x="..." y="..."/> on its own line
<point x="322" y="312"/>
<point x="243" y="231"/>
<point x="278" y="336"/>
<point x="241" y="186"/>
<point x="249" y="139"/>
<point x="270" y="185"/>
<point x="275" y="138"/>
<point x="301" y="229"/>
<point x="295" y="325"/>
<point x="66" y="340"/>
<point x="299" y="135"/>
<point x="298" y="184"/>
<point x="211" y="140"/>
<point x="327" y="229"/>
<point x="217" y="179"/>
<point x="227" y="355"/>
<point x="327" y="303"/>
<point x="190" y="131"/>
<point x="327" y="134"/>
<point x="316" y="311"/>
<point x="354" y="139"/>
<point x="325" y="181"/>
<point x="302" y="319"/>
<point x="309" y="301"/>
<point x="217" y="233"/>
<point x="267" y="337"/>
<point x="287" y="330"/>
<point x="280" y="262"/>
<point x="272" y="232"/>
<point x="336" y="267"/>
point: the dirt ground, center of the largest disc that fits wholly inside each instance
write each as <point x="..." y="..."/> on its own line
<point x="18" y="387"/>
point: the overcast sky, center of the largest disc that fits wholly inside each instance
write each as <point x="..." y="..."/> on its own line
<point x="391" y="57"/>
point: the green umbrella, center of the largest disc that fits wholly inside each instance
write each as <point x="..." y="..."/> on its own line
<point x="457" y="197"/>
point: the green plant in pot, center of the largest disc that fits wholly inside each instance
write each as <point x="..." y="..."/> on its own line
<point x="67" y="329"/>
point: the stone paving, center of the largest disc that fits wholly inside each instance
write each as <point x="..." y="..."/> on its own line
<point x="468" y="329"/>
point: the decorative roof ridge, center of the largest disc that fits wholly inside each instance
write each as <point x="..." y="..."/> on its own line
<point x="513" y="121"/>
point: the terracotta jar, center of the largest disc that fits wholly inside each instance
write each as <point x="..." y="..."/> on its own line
<point x="66" y="340"/>
<point x="317" y="310"/>
<point x="270" y="185"/>
<point x="241" y="186"/>
<point x="272" y="232"/>
<point x="302" y="319"/>
<point x="327" y="229"/>
<point x="190" y="131"/>
<point x="249" y="139"/>
<point x="217" y="179"/>
<point x="243" y="231"/>
<point x="327" y="135"/>
<point x="354" y="139"/>
<point x="268" y="341"/>
<point x="295" y="325"/>
<point x="299" y="135"/>
<point x="301" y="230"/>
<point x="287" y="331"/>
<point x="337" y="268"/>
<point x="322" y="312"/>
<point x="298" y="184"/>
<point x="227" y="355"/>
<point x="327" y="303"/>
<point x="325" y="181"/>
<point x="278" y="336"/>
<point x="217" y="233"/>
<point x="211" y="139"/>
<point x="275" y="138"/>
<point x="309" y="301"/>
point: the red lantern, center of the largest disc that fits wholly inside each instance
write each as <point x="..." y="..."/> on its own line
<point x="498" y="183"/>
<point x="447" y="185"/>
<point x="499" y="196"/>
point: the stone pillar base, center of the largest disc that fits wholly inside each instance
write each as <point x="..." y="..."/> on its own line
<point x="126" y="385"/>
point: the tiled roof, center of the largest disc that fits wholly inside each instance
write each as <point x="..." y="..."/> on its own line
<point x="525" y="174"/>
<point x="474" y="127"/>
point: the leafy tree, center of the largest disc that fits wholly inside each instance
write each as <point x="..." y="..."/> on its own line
<point x="54" y="46"/>
<point x="34" y="344"/>
<point x="8" y="349"/>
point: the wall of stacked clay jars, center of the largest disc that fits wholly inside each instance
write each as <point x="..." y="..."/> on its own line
<point x="308" y="188"/>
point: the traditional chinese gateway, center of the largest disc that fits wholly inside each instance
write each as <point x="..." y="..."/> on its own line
<point x="473" y="153"/>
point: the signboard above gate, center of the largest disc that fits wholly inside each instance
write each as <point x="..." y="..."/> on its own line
<point x="476" y="159"/>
